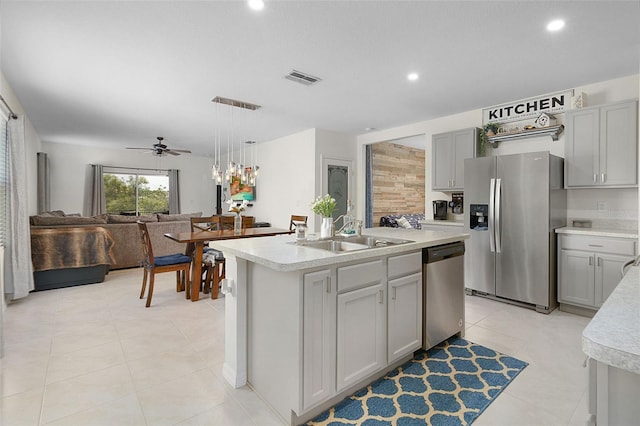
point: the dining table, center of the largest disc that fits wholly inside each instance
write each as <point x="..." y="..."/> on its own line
<point x="195" y="245"/>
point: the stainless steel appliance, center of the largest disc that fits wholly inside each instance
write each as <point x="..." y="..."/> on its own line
<point x="440" y="209"/>
<point x="513" y="203"/>
<point x="443" y="293"/>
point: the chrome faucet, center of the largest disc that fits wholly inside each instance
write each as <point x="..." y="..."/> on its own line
<point x="349" y="223"/>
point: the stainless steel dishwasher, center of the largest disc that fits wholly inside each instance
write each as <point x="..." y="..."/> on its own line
<point x="443" y="293"/>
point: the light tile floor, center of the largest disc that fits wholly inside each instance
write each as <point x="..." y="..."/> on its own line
<point x="93" y="355"/>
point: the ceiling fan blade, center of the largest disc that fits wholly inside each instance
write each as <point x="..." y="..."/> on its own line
<point x="148" y="149"/>
<point x="171" y="151"/>
<point x="183" y="151"/>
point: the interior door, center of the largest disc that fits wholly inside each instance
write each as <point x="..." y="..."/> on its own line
<point x="522" y="265"/>
<point x="337" y="183"/>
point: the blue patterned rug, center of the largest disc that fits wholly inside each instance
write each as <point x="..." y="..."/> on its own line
<point x="450" y="384"/>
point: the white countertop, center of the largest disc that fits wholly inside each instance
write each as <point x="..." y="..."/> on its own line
<point x="282" y="254"/>
<point x="613" y="335"/>
<point x="598" y="232"/>
<point x="442" y="222"/>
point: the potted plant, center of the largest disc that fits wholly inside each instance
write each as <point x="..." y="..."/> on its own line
<point x="324" y="206"/>
<point x="489" y="129"/>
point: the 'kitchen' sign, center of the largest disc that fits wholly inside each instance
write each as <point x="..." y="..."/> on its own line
<point x="528" y="108"/>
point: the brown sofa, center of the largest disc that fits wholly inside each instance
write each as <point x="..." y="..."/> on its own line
<point x="126" y="251"/>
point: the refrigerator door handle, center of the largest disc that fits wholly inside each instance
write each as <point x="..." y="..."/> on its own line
<point x="498" y="219"/>
<point x="492" y="237"/>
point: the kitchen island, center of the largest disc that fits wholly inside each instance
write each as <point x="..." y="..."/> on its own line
<point x="306" y="327"/>
<point x="612" y="342"/>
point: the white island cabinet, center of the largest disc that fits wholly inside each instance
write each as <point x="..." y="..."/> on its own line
<point x="305" y="327"/>
<point x="612" y="342"/>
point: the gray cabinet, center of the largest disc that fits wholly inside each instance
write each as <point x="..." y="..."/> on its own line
<point x="590" y="268"/>
<point x="404" y="312"/>
<point x="449" y="150"/>
<point x="601" y="146"/>
<point x="319" y="319"/>
<point x="361" y="322"/>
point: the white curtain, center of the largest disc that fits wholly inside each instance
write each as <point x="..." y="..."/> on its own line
<point x="18" y="267"/>
<point x="97" y="197"/>
<point x="174" y="191"/>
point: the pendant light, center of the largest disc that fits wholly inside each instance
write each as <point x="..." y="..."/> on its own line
<point x="234" y="169"/>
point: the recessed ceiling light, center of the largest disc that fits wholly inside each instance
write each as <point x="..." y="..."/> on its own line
<point x="370" y="129"/>
<point x="555" y="25"/>
<point x="412" y="76"/>
<point x="256" y="4"/>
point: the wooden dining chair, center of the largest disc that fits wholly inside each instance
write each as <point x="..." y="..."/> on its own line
<point x="208" y="223"/>
<point x="295" y="219"/>
<point x="226" y="221"/>
<point x="213" y="262"/>
<point x="248" y="221"/>
<point x="178" y="263"/>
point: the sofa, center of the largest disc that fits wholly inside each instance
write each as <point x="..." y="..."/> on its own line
<point x="126" y="251"/>
<point x="396" y="221"/>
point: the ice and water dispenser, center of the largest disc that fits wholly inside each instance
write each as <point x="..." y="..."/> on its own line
<point x="479" y="217"/>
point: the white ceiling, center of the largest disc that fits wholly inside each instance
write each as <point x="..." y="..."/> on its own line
<point x="121" y="73"/>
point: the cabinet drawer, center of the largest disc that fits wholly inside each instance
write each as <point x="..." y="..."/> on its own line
<point x="599" y="244"/>
<point x="360" y="275"/>
<point x="405" y="264"/>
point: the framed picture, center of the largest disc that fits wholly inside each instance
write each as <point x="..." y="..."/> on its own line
<point x="240" y="191"/>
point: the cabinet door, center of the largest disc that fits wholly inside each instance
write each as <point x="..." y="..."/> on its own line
<point x="318" y="338"/>
<point x="404" y="311"/>
<point x="582" y="147"/>
<point x="577" y="277"/>
<point x="441" y="162"/>
<point x="618" y="144"/>
<point x="464" y="146"/>
<point x="608" y="275"/>
<point x="361" y="334"/>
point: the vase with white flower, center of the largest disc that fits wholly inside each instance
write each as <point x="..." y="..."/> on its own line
<point x="324" y="207"/>
<point x="237" y="207"/>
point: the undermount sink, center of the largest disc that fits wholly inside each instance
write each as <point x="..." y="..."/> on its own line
<point x="344" y="244"/>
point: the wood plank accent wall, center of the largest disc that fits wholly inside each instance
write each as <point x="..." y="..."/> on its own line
<point x="398" y="180"/>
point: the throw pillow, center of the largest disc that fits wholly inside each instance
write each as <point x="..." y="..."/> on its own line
<point x="121" y="218"/>
<point x="68" y="220"/>
<point x="404" y="223"/>
<point x="173" y="217"/>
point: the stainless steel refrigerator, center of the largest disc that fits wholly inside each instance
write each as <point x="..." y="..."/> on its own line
<point x="512" y="204"/>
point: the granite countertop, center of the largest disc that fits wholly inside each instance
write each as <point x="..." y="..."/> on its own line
<point x="613" y="334"/>
<point x="281" y="253"/>
<point x="598" y="232"/>
<point x="442" y="222"/>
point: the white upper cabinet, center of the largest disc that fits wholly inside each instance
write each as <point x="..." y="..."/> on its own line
<point x="601" y="146"/>
<point x="449" y="152"/>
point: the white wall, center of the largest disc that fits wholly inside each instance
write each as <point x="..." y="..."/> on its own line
<point x="620" y="203"/>
<point x="286" y="183"/>
<point x="69" y="168"/>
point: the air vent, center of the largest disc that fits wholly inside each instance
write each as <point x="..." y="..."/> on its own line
<point x="302" y="78"/>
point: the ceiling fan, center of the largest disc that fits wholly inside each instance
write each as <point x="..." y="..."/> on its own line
<point x="160" y="149"/>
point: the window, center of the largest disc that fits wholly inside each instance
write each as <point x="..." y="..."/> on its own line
<point x="136" y="192"/>
<point x="4" y="179"/>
